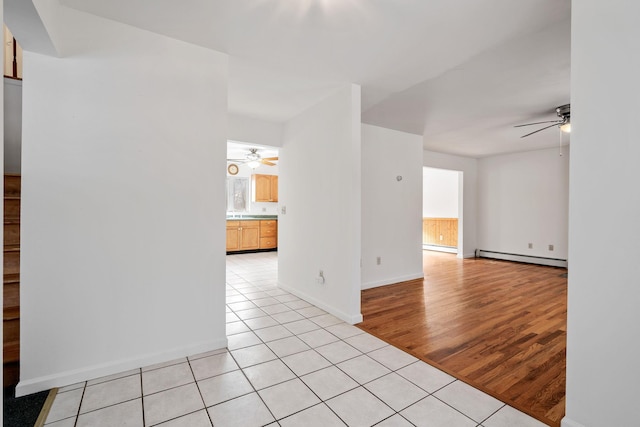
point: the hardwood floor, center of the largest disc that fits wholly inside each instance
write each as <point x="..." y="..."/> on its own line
<point x="497" y="325"/>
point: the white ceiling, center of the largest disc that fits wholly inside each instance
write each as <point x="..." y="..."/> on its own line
<point x="459" y="72"/>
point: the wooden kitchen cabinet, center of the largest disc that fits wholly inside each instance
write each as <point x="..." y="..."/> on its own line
<point x="243" y="235"/>
<point x="268" y="234"/>
<point x="264" y="188"/>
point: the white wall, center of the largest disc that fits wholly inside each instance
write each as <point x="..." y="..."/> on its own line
<point x="439" y="193"/>
<point x="123" y="253"/>
<point x="524" y="198"/>
<point x="603" y="374"/>
<point x="2" y="208"/>
<point x="255" y="131"/>
<point x="467" y="196"/>
<point x="12" y="125"/>
<point x="391" y="209"/>
<point x="319" y="185"/>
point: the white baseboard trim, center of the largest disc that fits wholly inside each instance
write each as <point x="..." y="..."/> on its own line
<point x="352" y="319"/>
<point x="392" y="281"/>
<point x="469" y="255"/>
<point x="62" y="379"/>
<point x="566" y="422"/>
<point x="553" y="262"/>
<point x="447" y="249"/>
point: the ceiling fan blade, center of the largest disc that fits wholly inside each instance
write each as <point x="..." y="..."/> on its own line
<point x="537" y="123"/>
<point x="269" y="158"/>
<point x="266" y="162"/>
<point x="536" y="131"/>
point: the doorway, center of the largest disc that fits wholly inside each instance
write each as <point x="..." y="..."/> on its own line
<point x="442" y="210"/>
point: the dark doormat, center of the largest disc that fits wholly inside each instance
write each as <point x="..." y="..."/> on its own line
<point x="22" y="411"/>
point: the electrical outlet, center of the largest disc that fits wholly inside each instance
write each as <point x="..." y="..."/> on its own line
<point x="530" y="245"/>
<point x="320" y="278"/>
<point x="283" y="210"/>
<point x="378" y="260"/>
<point x="550" y="247"/>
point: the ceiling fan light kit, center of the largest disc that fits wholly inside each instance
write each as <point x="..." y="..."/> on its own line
<point x="253" y="159"/>
<point x="564" y="121"/>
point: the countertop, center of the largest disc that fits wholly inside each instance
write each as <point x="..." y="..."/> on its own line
<point x="239" y="217"/>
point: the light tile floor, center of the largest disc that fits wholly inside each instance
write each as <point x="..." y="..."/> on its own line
<point x="288" y="363"/>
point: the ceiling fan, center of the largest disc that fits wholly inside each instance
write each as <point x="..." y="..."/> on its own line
<point x="563" y="122"/>
<point x="253" y="159"/>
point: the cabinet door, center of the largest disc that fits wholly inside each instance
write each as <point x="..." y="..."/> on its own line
<point x="249" y="235"/>
<point x="274" y="188"/>
<point x="233" y="236"/>
<point x="261" y="188"/>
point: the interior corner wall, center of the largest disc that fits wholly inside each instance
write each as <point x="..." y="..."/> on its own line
<point x="123" y="203"/>
<point x="468" y="196"/>
<point x="319" y="187"/>
<point x="255" y="131"/>
<point x="391" y="208"/>
<point x="524" y="198"/>
<point x="603" y="374"/>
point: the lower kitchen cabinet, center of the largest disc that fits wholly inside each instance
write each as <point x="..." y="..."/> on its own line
<point x="246" y="235"/>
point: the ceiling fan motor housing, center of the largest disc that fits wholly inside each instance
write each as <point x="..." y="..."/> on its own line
<point x="564" y="112"/>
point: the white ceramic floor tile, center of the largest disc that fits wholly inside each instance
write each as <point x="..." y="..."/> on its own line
<point x="395" y="391"/>
<point x="430" y="412"/>
<point x="261" y="322"/>
<point x="245" y="339"/>
<point x="468" y="400"/>
<point x="316" y="416"/>
<point x="359" y="408"/>
<point x="65" y="405"/>
<point x="208" y="353"/>
<point x="311" y="311"/>
<point x="287" y="398"/>
<point x="114" y="376"/>
<point x="326" y="320"/>
<point x="171" y="404"/>
<point x="426" y="376"/>
<point x="363" y="369"/>
<point x="195" y="419"/>
<point x="276" y="308"/>
<point x="286" y="298"/>
<point x="287" y="316"/>
<point x="301" y="326"/>
<point x="395" y="421"/>
<point x="164" y="364"/>
<point x="256" y="295"/>
<point x="245" y="411"/>
<point x="110" y="392"/>
<point x="165" y="378"/>
<point x="277" y="292"/>
<point x="265" y="302"/>
<point x="268" y="374"/>
<point x="253" y="355"/>
<point x="296" y="305"/>
<point x="231" y="317"/>
<point x="273" y="333"/>
<point x="235" y="298"/>
<point x="128" y="414"/>
<point x="338" y="351"/>
<point x="217" y="364"/>
<point x="227" y="386"/>
<point x="242" y="305"/>
<point x="67" y="422"/>
<point x="306" y="362"/>
<point x="509" y="417"/>
<point x="391" y="357"/>
<point x="329" y="382"/>
<point x="250" y="314"/>
<point x="317" y="338"/>
<point x="71" y="387"/>
<point x="365" y="342"/>
<point x="343" y="330"/>
<point x="286" y="346"/>
<point x="236" y="328"/>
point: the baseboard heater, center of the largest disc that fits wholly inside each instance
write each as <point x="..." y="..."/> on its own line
<point x="554" y="262"/>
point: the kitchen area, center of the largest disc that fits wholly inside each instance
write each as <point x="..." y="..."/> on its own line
<point x="252" y="198"/>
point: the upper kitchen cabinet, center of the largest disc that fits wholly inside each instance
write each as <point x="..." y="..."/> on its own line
<point x="265" y="188"/>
